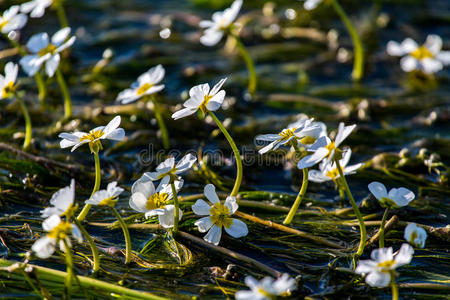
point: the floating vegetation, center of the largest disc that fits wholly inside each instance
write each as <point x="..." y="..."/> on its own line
<point x="281" y="179"/>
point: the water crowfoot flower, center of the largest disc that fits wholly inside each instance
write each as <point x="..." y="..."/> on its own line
<point x="8" y="89"/>
<point x="396" y="198"/>
<point x="154" y="202"/>
<point x="218" y="216"/>
<point x="108" y="198"/>
<point x="203" y="98"/>
<point x="415" y="235"/>
<point x="428" y="58"/>
<point x="267" y="288"/>
<point x="12" y="20"/>
<point x="380" y="269"/>
<point x="37" y="9"/>
<point x="311" y="4"/>
<point x="62" y="202"/>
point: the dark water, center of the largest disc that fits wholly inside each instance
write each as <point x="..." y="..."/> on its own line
<point x="296" y="75"/>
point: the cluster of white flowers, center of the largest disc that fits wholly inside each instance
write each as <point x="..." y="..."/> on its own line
<point x="267" y="288"/>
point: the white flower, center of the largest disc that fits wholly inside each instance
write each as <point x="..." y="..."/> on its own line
<point x="428" y="58"/>
<point x="219" y="215"/>
<point x="267" y="288"/>
<point x="58" y="232"/>
<point x="12" y="20"/>
<point x="201" y="97"/>
<point x="146" y="84"/>
<point x="106" y="197"/>
<point x="324" y="148"/>
<point x="154" y="202"/>
<point x="384" y="262"/>
<point x="61" y="201"/>
<point x="328" y="171"/>
<point x="110" y="132"/>
<point x="44" y="51"/>
<point x="221" y="22"/>
<point x="415" y="235"/>
<point x="7" y="82"/>
<point x="36" y="7"/>
<point x="168" y="169"/>
<point x="394" y="199"/>
<point x="304" y="131"/>
<point x="311" y="4"/>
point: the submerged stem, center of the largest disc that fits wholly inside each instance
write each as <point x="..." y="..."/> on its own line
<point x="94" y="250"/>
<point x="69" y="265"/>
<point x="358" y="63"/>
<point x="253" y="79"/>
<point x="230" y="140"/>
<point x="362" y="226"/>
<point x="98" y="179"/>
<point x="62" y="15"/>
<point x="161" y="123"/>
<point x="126" y="234"/>
<point x="65" y="93"/>
<point x="383" y="221"/>
<point x="176" y="212"/>
<point x="26" y="115"/>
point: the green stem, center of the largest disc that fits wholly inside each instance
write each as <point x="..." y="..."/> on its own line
<point x="358" y="63"/>
<point x="126" y="234"/>
<point x="26" y="115"/>
<point x="98" y="178"/>
<point x="383" y="221"/>
<point x="62" y="16"/>
<point x="362" y="226"/>
<point x="176" y="212"/>
<point x="69" y="265"/>
<point x="238" y="181"/>
<point x="298" y="200"/>
<point x="394" y="287"/>
<point x="38" y="77"/>
<point x="253" y="79"/>
<point x="161" y="124"/>
<point x="94" y="249"/>
<point x="65" y="93"/>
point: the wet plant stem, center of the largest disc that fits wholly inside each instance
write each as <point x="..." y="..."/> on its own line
<point x="69" y="268"/>
<point x="26" y="116"/>
<point x="358" y="63"/>
<point x="98" y="179"/>
<point x="176" y="212"/>
<point x="301" y="193"/>
<point x="126" y="234"/>
<point x="362" y="226"/>
<point x="92" y="245"/>
<point x="161" y="124"/>
<point x="230" y="140"/>
<point x="383" y="222"/>
<point x="253" y="79"/>
<point x="65" y="93"/>
<point x="394" y="287"/>
<point x="38" y="77"/>
<point x="62" y="17"/>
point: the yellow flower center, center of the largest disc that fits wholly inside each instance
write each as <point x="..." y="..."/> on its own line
<point x="8" y="90"/>
<point x="49" y="49"/>
<point x="61" y="231"/>
<point x="331" y="146"/>
<point x="92" y="135"/>
<point x="307" y="140"/>
<point x="421" y="53"/>
<point x="386" y="266"/>
<point x="157" y="200"/>
<point x="333" y="173"/>
<point x="388" y="202"/>
<point x="265" y="293"/>
<point x="220" y="215"/>
<point x="3" y="22"/>
<point x="413" y="237"/>
<point x="111" y="201"/>
<point x="143" y="88"/>
<point x="205" y="102"/>
<point x="287" y="133"/>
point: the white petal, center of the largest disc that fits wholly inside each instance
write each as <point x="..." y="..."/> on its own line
<point x="183" y="113"/>
<point x="112" y="125"/>
<point x="378" y="190"/>
<point x="203" y="224"/>
<point x="433" y="43"/>
<point x="409" y="45"/>
<point x="63" y="199"/>
<point x="382" y="254"/>
<point x="201" y="208"/>
<point x="198" y="92"/>
<point x="343" y="133"/>
<point x="166" y="220"/>
<point x="11" y="70"/>
<point x="156" y="74"/>
<point x="311" y="160"/>
<point x="217" y="87"/>
<point x="155" y="212"/>
<point x="205" y="23"/>
<point x="51" y="222"/>
<point x="76" y="233"/>
<point x="60" y="36"/>
<point x="311" y="4"/>
<point x="52" y="64"/>
<point x="444" y="57"/>
<point x="210" y="193"/>
<point x="216" y="102"/>
<point x="317" y="176"/>
<point x="213" y="236"/>
<point x="366" y="266"/>
<point x="31" y="63"/>
<point x="185" y="163"/>
<point x="143" y="185"/>
<point x="15" y="23"/>
<point x="431" y="65"/>
<point x="44" y="247"/>
<point x="237" y="229"/>
<point x="211" y="37"/>
<point x="128" y="96"/>
<point x="378" y="279"/>
<point x="402" y="196"/>
<point x="231" y="203"/>
<point x="138" y="202"/>
<point x="37" y="42"/>
<point x="409" y="63"/>
<point x="98" y="197"/>
<point x="268" y="147"/>
<point x="268" y="137"/>
<point x="404" y="255"/>
<point x="66" y="45"/>
<point x="116" y="135"/>
<point x="394" y="49"/>
<point x="248" y="295"/>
